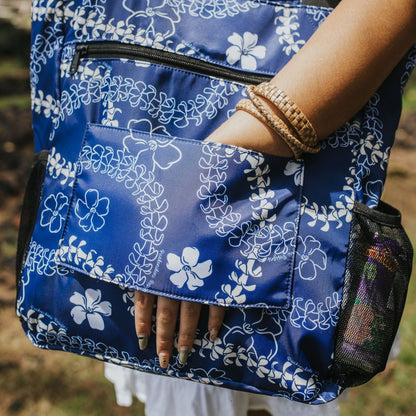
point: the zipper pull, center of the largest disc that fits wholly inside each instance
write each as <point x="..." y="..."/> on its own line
<point x="81" y="51"/>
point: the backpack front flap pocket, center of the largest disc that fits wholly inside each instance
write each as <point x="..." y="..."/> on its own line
<point x="186" y="219"/>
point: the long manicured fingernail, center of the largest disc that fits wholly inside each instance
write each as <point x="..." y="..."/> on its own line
<point x="143" y="340"/>
<point x="164" y="359"/>
<point x="183" y="355"/>
<point x="213" y="334"/>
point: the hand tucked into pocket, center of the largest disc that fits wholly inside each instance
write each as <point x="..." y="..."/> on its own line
<point x="167" y="313"/>
<point x="242" y="130"/>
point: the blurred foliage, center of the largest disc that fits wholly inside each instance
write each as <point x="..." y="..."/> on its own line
<point x="409" y="98"/>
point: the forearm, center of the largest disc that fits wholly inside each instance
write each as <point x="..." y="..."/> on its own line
<point x="347" y="59"/>
<point x="337" y="70"/>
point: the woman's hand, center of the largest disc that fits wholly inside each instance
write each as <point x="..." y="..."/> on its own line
<point x="167" y="313"/>
<point x="339" y="79"/>
<point x="243" y="130"/>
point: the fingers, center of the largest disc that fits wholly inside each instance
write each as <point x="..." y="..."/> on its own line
<point x="167" y="312"/>
<point x="189" y="317"/>
<point x="166" y="318"/>
<point x="215" y="320"/>
<point x="143" y="308"/>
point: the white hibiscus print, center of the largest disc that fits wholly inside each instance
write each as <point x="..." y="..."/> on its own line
<point x="245" y="49"/>
<point x="187" y="269"/>
<point x="52" y="216"/>
<point x="90" y="307"/>
<point x="92" y="210"/>
<point x="311" y="257"/>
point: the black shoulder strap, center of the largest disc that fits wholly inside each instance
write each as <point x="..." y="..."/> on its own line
<point x="322" y="3"/>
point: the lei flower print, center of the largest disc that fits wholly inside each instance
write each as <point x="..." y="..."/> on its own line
<point x="92" y="210"/>
<point x="90" y="307"/>
<point x="286" y="29"/>
<point x="311" y="257"/>
<point x="187" y="269"/>
<point x="51" y="215"/>
<point x="245" y="49"/>
<point x="263" y="241"/>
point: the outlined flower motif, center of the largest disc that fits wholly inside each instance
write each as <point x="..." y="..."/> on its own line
<point x="187" y="269"/>
<point x="92" y="210"/>
<point x="304" y="314"/>
<point x="144" y="124"/>
<point x="373" y="190"/>
<point x="90" y="307"/>
<point x="311" y="257"/>
<point x="52" y="217"/>
<point x="160" y="149"/>
<point x="158" y="17"/>
<point x="245" y="49"/>
<point x="263" y="241"/>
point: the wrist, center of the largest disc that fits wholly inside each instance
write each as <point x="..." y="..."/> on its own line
<point x="244" y="130"/>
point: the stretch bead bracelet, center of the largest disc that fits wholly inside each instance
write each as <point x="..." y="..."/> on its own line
<point x="274" y="123"/>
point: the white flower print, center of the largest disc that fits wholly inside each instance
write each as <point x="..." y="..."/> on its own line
<point x="233" y="294"/>
<point x="286" y="29"/>
<point x="311" y="257"/>
<point x="295" y="168"/>
<point x="187" y="269"/>
<point x="90" y="307"/>
<point x="52" y="214"/>
<point x="158" y="17"/>
<point x="92" y="210"/>
<point x="245" y="49"/>
<point x="287" y="23"/>
<point x="215" y="349"/>
<point x="344" y="208"/>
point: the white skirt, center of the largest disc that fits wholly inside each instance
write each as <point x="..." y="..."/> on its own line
<point x="175" y="397"/>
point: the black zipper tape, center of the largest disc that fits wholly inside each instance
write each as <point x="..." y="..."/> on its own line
<point x="322" y="3"/>
<point x="105" y="49"/>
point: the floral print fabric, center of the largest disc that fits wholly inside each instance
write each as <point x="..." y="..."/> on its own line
<point x="118" y="128"/>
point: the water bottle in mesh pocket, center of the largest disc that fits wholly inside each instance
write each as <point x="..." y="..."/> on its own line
<point x="378" y="268"/>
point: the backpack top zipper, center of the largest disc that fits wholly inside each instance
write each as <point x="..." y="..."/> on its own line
<point x="106" y="49"/>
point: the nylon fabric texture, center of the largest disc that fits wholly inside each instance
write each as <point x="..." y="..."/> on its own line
<point x="123" y="95"/>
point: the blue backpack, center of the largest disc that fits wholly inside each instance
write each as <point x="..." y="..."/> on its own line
<point x="125" y="195"/>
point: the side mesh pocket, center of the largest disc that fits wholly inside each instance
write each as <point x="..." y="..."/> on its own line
<point x="30" y="208"/>
<point x="378" y="268"/>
